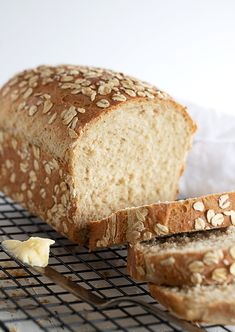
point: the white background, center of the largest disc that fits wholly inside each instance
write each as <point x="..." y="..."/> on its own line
<point x="186" y="47"/>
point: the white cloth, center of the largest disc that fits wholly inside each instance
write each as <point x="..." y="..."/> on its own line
<point x="210" y="166"/>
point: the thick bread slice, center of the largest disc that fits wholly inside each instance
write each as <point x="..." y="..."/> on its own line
<point x="78" y="143"/>
<point x="206" y="304"/>
<point x="196" y="258"/>
<point x="160" y="219"/>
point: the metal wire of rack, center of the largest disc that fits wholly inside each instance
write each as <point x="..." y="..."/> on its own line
<point x="30" y="302"/>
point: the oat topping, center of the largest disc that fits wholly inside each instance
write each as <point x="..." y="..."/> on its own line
<point x="9" y="163"/>
<point x="81" y="110"/>
<point x="36" y="151"/>
<point x="36" y="164"/>
<point x="217" y="220"/>
<point x="200" y="224"/>
<point x="232" y="269"/>
<point x="104" y="89"/>
<point x="52" y="118"/>
<point x="42" y="193"/>
<point x="230" y="213"/>
<point x="226" y="262"/>
<point x="47" y="106"/>
<point x="198" y="206"/>
<point x="196" y="278"/>
<point x="219" y="274"/>
<point x="232" y="252"/>
<point x="68" y="114"/>
<point x="141" y="214"/>
<point x="24" y="167"/>
<point x="212" y="257"/>
<point x="21" y="106"/>
<point x="73" y="123"/>
<point x="32" y="110"/>
<point x="67" y="78"/>
<point x="23" y="187"/>
<point x="196" y="266"/>
<point x="13" y="177"/>
<point x="72" y="133"/>
<point x="147" y="235"/>
<point x="28" y="93"/>
<point x="135" y="226"/>
<point x="233" y="219"/>
<point x="130" y="92"/>
<point x="224" y="201"/>
<point x="161" y="229"/>
<point x="168" y="261"/>
<point x="118" y="97"/>
<point x="210" y="214"/>
<point x="29" y="194"/>
<point x="103" y="103"/>
<point x="32" y="176"/>
<point x="47" y="169"/>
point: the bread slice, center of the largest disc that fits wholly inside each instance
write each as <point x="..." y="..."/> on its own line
<point x="78" y="143"/>
<point x="214" y="304"/>
<point x="160" y="219"/>
<point x="196" y="258"/>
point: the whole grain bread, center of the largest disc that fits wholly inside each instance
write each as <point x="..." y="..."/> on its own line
<point x="78" y="143"/>
<point x="164" y="218"/>
<point x="197" y="258"/>
<point x="214" y="304"/>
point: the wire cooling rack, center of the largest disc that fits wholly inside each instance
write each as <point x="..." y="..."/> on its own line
<point x="30" y="302"/>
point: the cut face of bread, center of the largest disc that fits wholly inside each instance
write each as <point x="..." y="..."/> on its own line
<point x="196" y="258"/>
<point x="214" y="304"/>
<point x="130" y="157"/>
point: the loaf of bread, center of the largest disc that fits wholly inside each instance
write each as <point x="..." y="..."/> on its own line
<point x="160" y="219"/>
<point x="78" y="143"/>
<point x="197" y="258"/>
<point x="214" y="304"/>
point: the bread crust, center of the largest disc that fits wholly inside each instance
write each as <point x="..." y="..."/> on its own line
<point x="146" y="222"/>
<point x="40" y="183"/>
<point x="196" y="308"/>
<point x="206" y="266"/>
<point x="50" y="108"/>
<point x="31" y="99"/>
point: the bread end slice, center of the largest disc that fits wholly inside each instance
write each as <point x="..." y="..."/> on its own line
<point x="185" y="259"/>
<point x="145" y="222"/>
<point x="204" y="304"/>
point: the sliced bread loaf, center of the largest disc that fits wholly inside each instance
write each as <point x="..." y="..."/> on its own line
<point x="214" y="304"/>
<point x="78" y="143"/>
<point x="196" y="258"/>
<point x="160" y="219"/>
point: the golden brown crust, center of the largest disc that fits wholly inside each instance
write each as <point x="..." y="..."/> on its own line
<point x="198" y="266"/>
<point x="41" y="183"/>
<point x="196" y="307"/>
<point x="50" y="108"/>
<point x="53" y="105"/>
<point x="142" y="223"/>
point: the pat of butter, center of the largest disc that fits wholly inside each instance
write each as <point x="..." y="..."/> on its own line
<point x="34" y="251"/>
